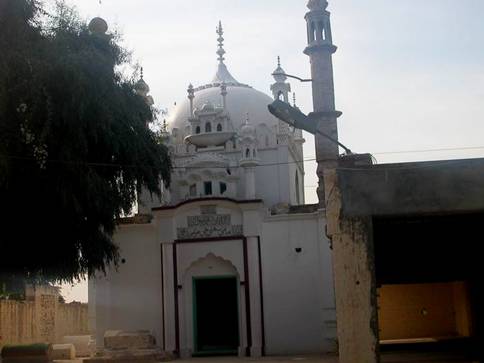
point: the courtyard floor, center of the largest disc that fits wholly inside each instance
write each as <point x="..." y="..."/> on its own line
<point x="405" y="357"/>
<point x="295" y="359"/>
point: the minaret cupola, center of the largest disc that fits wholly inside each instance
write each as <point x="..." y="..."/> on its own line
<point x="318" y="23"/>
<point x="142" y="89"/>
<point x="280" y="89"/>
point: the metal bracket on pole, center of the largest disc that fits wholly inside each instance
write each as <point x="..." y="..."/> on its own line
<point x="291" y="76"/>
<point x="292" y="116"/>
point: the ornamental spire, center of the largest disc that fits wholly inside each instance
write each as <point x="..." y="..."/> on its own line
<point x="220" y="39"/>
<point x="223" y="75"/>
<point x="191" y="96"/>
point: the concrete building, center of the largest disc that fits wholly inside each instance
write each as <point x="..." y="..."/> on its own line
<point x="231" y="260"/>
<point x="406" y="254"/>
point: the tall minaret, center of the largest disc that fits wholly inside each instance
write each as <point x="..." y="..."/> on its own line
<point x="320" y="50"/>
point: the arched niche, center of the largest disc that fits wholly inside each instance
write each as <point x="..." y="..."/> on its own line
<point x="211" y="265"/>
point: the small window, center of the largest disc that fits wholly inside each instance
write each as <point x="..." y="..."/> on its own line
<point x="207" y="186"/>
<point x="193" y="190"/>
<point x="208" y="127"/>
<point x="223" y="188"/>
<point x="267" y="140"/>
<point x="322" y="32"/>
<point x="197" y="130"/>
<point x="219" y="128"/>
<point x="253" y="153"/>
<point x="312" y="33"/>
<point x="247" y="153"/>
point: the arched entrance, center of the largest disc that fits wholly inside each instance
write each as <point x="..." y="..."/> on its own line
<point x="215" y="315"/>
<point x="213" y="311"/>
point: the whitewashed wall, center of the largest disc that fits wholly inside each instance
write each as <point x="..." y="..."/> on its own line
<point x="298" y="294"/>
<point x="298" y="289"/>
<point x="130" y="298"/>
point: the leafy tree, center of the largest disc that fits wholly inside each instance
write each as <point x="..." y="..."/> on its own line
<point x="75" y="148"/>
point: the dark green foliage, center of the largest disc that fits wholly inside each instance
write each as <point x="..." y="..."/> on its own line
<point x="74" y="146"/>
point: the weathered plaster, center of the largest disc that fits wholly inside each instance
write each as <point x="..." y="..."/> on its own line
<point x="354" y="278"/>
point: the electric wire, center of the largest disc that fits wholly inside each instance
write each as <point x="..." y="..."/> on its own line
<point x="305" y="160"/>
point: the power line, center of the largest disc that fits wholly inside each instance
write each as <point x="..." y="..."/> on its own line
<point x="419" y="151"/>
<point x="429" y="150"/>
<point x="309" y="159"/>
<point x="117" y="165"/>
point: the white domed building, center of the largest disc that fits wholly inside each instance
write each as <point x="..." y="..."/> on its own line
<point x="207" y="128"/>
<point x="231" y="261"/>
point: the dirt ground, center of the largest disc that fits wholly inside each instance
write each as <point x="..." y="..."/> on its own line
<point x="295" y="359"/>
<point x="386" y="358"/>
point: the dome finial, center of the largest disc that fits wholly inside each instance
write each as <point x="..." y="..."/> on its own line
<point x="141" y="76"/>
<point x="222" y="75"/>
<point x="278" y="61"/>
<point x="294" y="99"/>
<point x="220" y="39"/>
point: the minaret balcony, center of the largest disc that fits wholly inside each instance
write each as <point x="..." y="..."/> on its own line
<point x="249" y="162"/>
<point x="207" y="139"/>
<point x="323" y="46"/>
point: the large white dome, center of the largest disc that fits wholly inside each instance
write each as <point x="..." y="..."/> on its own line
<point x="241" y="100"/>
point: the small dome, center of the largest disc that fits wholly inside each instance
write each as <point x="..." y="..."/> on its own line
<point x="317" y="5"/>
<point x="279" y="75"/>
<point x="248" y="129"/>
<point x="142" y="87"/>
<point x="98" y="26"/>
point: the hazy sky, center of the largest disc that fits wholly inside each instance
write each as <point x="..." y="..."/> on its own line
<point x="409" y="75"/>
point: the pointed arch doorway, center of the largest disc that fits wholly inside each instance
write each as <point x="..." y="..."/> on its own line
<point x="215" y="315"/>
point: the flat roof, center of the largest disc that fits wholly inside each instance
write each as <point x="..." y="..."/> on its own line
<point x="444" y="186"/>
